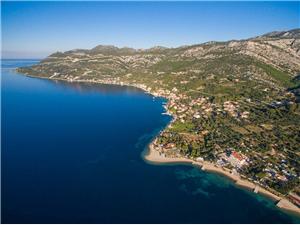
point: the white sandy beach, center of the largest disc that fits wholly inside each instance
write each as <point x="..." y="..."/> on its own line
<point x="283" y="203"/>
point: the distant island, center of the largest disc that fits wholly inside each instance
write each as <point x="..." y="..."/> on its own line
<point x="235" y="104"/>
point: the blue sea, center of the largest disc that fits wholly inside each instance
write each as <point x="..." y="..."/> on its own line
<point x="73" y="153"/>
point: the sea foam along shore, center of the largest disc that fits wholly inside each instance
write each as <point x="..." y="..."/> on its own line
<point x="153" y="156"/>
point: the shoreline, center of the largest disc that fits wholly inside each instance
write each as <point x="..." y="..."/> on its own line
<point x="152" y="156"/>
<point x="95" y="82"/>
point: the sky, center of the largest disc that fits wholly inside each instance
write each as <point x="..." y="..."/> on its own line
<point x="37" y="29"/>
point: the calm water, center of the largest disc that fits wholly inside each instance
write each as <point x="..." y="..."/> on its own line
<point x="71" y="153"/>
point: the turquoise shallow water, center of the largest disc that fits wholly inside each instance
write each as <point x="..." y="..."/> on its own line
<point x="71" y="153"/>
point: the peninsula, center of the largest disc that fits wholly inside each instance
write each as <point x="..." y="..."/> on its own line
<point x="235" y="104"/>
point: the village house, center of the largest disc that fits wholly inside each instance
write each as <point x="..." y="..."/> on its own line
<point x="236" y="159"/>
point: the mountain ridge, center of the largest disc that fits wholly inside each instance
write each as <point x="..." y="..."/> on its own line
<point x="294" y="33"/>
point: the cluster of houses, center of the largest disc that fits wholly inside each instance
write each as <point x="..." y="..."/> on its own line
<point x="183" y="111"/>
<point x="201" y="107"/>
<point x="166" y="150"/>
<point x="231" y="157"/>
<point x="279" y="172"/>
<point x="232" y="108"/>
<point x="205" y="105"/>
